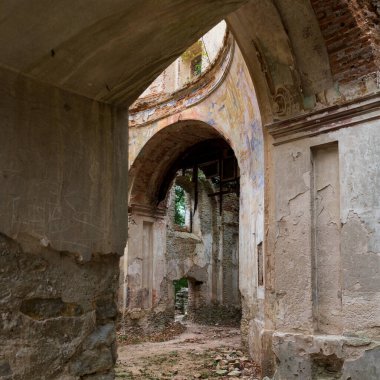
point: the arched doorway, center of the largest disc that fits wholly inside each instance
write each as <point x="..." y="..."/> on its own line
<point x="230" y="112"/>
<point x="203" y="248"/>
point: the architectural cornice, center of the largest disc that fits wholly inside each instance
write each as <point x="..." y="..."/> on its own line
<point x="144" y="113"/>
<point x="353" y="113"/>
<point x="149" y="211"/>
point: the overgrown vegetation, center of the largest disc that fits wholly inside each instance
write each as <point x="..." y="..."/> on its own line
<point x="180" y="206"/>
<point x="179" y="284"/>
<point x="196" y="66"/>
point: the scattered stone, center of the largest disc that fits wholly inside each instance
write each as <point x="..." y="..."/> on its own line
<point x="235" y="373"/>
<point x="134" y="335"/>
<point x="192" y="362"/>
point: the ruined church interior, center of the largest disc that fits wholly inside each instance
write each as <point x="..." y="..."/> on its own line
<point x="190" y="167"/>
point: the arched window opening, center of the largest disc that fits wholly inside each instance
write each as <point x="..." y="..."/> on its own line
<point x="179" y="206"/>
<point x="182" y="204"/>
<point x="196" y="66"/>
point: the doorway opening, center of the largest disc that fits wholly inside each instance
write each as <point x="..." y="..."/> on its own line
<point x="184" y="195"/>
<point x="191" y="220"/>
<point x="202" y="242"/>
<point x="181" y="299"/>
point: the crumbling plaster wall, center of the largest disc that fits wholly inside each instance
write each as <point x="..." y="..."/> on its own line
<point x="178" y="74"/>
<point x="62" y="172"/>
<point x="301" y="63"/>
<point x="286" y="322"/>
<point x="233" y="111"/>
<point x="69" y="49"/>
<point x="326" y="233"/>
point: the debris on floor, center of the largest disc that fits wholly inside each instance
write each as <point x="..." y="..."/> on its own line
<point x="132" y="335"/>
<point x="201" y="352"/>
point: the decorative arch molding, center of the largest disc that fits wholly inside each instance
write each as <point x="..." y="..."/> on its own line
<point x="145" y="111"/>
<point x="301" y="62"/>
<point x="156" y="158"/>
<point x="287" y="60"/>
<point x="166" y="141"/>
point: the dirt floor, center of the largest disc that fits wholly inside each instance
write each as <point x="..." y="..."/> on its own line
<point x="200" y="352"/>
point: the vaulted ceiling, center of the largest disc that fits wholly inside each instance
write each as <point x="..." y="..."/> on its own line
<point x="106" y="50"/>
<point x="112" y="50"/>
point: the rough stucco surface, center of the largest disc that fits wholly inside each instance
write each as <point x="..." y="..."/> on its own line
<point x="109" y="51"/>
<point x="359" y="232"/>
<point x="60" y="167"/>
<point x="297" y="312"/>
<point x="53" y="320"/>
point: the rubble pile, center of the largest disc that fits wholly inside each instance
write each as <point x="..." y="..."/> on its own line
<point x="233" y="364"/>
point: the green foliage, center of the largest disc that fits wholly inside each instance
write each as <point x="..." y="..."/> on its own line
<point x="180" y="206"/>
<point x="198" y="69"/>
<point x="179" y="284"/>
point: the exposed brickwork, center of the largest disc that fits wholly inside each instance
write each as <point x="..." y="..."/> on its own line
<point x="351" y="31"/>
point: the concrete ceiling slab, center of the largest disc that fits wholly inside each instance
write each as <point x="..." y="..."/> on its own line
<point x="105" y="50"/>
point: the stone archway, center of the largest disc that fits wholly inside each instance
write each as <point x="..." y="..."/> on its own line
<point x="210" y="257"/>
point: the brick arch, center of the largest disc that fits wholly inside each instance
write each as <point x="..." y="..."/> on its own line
<point x="351" y="30"/>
